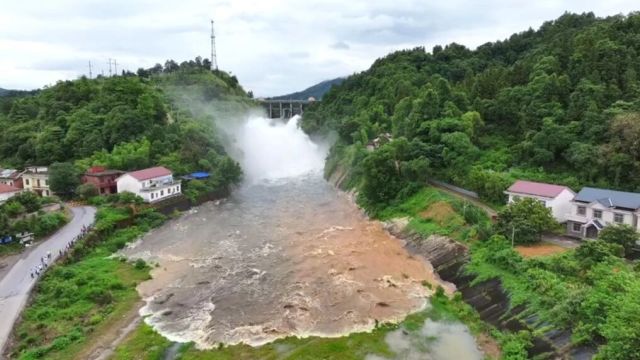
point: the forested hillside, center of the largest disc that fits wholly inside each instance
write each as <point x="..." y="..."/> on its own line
<point x="124" y="122"/>
<point x="317" y="91"/>
<point x="561" y="103"/>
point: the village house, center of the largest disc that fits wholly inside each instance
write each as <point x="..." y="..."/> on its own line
<point x="153" y="184"/>
<point x="7" y="192"/>
<point x="593" y="209"/>
<point x="36" y="179"/>
<point x="11" y="177"/>
<point x="103" y="179"/>
<point x="555" y="197"/>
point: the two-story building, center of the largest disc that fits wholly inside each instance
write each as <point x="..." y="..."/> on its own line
<point x="103" y="179"/>
<point x="7" y="192"/>
<point x="153" y="184"/>
<point x="11" y="177"/>
<point x="36" y="179"/>
<point x="555" y="197"/>
<point x="593" y="209"/>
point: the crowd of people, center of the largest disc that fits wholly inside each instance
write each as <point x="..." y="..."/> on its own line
<point x="45" y="260"/>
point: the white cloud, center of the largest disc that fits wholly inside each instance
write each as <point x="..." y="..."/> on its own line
<point x="273" y="47"/>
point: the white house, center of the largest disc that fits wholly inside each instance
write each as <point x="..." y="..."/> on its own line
<point x="593" y="209"/>
<point x="36" y="179"/>
<point x="555" y="197"/>
<point x="153" y="184"/>
<point x="7" y="192"/>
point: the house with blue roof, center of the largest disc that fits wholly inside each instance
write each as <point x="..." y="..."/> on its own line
<point x="593" y="209"/>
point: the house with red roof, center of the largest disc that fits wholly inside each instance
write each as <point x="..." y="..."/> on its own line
<point x="556" y="197"/>
<point x="7" y="192"/>
<point x="103" y="179"/>
<point x="152" y="184"/>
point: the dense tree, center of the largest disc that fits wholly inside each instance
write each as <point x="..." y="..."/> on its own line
<point x="525" y="220"/>
<point x="559" y="104"/>
<point x="621" y="234"/>
<point x="64" y="178"/>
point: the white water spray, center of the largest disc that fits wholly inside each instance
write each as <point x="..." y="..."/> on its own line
<point x="273" y="150"/>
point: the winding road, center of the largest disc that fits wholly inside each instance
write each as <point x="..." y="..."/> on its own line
<point x="16" y="284"/>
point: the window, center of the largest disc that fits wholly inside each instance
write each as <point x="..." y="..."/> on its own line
<point x="178" y="188"/>
<point x="161" y="192"/>
<point x="619" y="218"/>
<point x="577" y="227"/>
<point x="597" y="214"/>
<point x="152" y="196"/>
<point x="26" y="181"/>
<point x="582" y="210"/>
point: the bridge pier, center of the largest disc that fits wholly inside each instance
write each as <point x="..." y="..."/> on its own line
<point x="284" y="109"/>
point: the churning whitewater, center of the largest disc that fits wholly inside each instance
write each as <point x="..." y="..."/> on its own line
<point x="286" y="254"/>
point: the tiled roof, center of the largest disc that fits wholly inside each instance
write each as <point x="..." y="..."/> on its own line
<point x="150" y="173"/>
<point x="4" y="189"/>
<point x="609" y="198"/>
<point x="537" y="189"/>
<point x="9" y="173"/>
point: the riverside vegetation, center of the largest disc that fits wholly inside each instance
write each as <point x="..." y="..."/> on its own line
<point x="125" y="122"/>
<point x="551" y="104"/>
<point x="557" y="104"/>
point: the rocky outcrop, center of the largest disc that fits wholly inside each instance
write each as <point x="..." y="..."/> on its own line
<point x="489" y="299"/>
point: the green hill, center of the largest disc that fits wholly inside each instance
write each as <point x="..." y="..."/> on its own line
<point x="124" y="122"/>
<point x="561" y="103"/>
<point x="316" y="91"/>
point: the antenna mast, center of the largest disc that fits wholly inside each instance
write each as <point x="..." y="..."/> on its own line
<point x="214" y="60"/>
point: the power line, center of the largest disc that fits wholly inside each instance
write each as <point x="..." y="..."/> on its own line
<point x="214" y="60"/>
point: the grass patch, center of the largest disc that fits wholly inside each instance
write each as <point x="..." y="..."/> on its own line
<point x="355" y="346"/>
<point x="79" y="298"/>
<point x="11" y="248"/>
<point x="143" y="343"/>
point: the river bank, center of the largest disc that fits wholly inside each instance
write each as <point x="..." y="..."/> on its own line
<point x="416" y="331"/>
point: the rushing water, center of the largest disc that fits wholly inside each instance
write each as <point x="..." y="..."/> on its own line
<point x="286" y="254"/>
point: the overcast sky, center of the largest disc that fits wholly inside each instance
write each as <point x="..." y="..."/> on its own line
<point x="273" y="46"/>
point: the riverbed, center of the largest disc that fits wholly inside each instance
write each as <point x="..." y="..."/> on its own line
<point x="278" y="258"/>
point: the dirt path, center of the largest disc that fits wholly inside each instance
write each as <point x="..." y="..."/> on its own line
<point x="107" y="340"/>
<point x="490" y="211"/>
<point x="542" y="249"/>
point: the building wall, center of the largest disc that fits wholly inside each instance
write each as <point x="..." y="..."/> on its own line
<point x="103" y="183"/>
<point x="30" y="182"/>
<point x="157" y="195"/>
<point x="560" y="205"/>
<point x="629" y="218"/>
<point x="12" y="182"/>
<point x="131" y="184"/>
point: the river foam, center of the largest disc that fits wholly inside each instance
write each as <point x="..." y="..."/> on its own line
<point x="286" y="254"/>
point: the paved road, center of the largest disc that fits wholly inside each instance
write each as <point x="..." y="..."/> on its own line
<point x="17" y="282"/>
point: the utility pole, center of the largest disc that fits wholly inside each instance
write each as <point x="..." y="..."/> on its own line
<point x="90" y="74"/>
<point x="513" y="235"/>
<point x="214" y="60"/>
<point x="115" y="64"/>
<point x="109" y="67"/>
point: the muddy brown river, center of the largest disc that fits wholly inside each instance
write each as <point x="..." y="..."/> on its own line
<point x="285" y="254"/>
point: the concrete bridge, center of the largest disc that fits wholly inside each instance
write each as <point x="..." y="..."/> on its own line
<point x="284" y="108"/>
